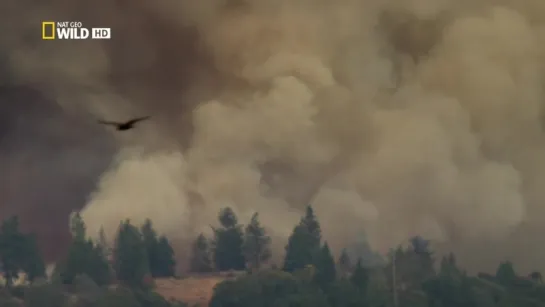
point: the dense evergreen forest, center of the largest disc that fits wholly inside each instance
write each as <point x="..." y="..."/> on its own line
<point x="98" y="274"/>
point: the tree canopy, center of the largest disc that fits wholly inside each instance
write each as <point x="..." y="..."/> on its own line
<point x="18" y="253"/>
<point x="228" y="242"/>
<point x="130" y="256"/>
<point x="257" y="243"/>
<point x="304" y="243"/>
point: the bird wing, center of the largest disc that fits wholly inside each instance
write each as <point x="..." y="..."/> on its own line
<point x="108" y="123"/>
<point x="133" y="121"/>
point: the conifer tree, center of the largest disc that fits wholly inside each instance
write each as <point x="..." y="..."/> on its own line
<point x="449" y="268"/>
<point x="345" y="264"/>
<point x="151" y="244"/>
<point x="360" y="276"/>
<point x="77" y="227"/>
<point x="84" y="257"/>
<point x="33" y="265"/>
<point x="256" y="244"/>
<point x="304" y="243"/>
<point x="506" y="273"/>
<point x="326" y="272"/>
<point x="200" y="256"/>
<point x="166" y="262"/>
<point x="311" y="224"/>
<point x="18" y="253"/>
<point x="130" y="256"/>
<point x="228" y="243"/>
<point x="103" y="244"/>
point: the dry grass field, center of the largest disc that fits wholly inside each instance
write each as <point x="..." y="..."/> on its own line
<point x="195" y="289"/>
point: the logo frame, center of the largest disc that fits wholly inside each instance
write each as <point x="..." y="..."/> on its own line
<point x="44" y="27"/>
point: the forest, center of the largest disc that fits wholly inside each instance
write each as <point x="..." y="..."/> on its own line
<point x="98" y="274"/>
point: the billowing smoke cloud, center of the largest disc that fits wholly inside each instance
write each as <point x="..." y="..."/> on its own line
<point x="49" y="163"/>
<point x="392" y="117"/>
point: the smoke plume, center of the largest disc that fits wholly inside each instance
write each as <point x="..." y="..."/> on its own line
<point x="392" y="118"/>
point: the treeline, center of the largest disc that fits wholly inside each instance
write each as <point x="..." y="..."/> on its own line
<point x="309" y="275"/>
<point x="86" y="275"/>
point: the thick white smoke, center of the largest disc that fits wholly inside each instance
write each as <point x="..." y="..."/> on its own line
<point x="393" y="117"/>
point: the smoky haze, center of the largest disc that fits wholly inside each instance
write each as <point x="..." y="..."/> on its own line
<point x="392" y="118"/>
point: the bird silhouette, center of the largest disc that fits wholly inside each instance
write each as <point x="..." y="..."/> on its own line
<point x="124" y="125"/>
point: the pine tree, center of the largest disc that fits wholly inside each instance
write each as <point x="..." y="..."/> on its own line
<point x="345" y="264"/>
<point x="166" y="263"/>
<point x="130" y="256"/>
<point x="11" y="241"/>
<point x="151" y="243"/>
<point x="449" y="268"/>
<point x="311" y="224"/>
<point x="304" y="243"/>
<point x="200" y="256"/>
<point x="360" y="276"/>
<point x="414" y="264"/>
<point x="256" y="244"/>
<point x="33" y="265"/>
<point x="506" y="273"/>
<point x="228" y="243"/>
<point x="298" y="250"/>
<point x="77" y="227"/>
<point x="103" y="244"/>
<point x="326" y="272"/>
<point x="18" y="253"/>
<point x="423" y="264"/>
<point x="84" y="257"/>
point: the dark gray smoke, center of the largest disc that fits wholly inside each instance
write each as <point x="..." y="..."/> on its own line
<point x="49" y="162"/>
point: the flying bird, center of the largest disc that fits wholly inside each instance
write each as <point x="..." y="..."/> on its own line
<point x="124" y="125"/>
